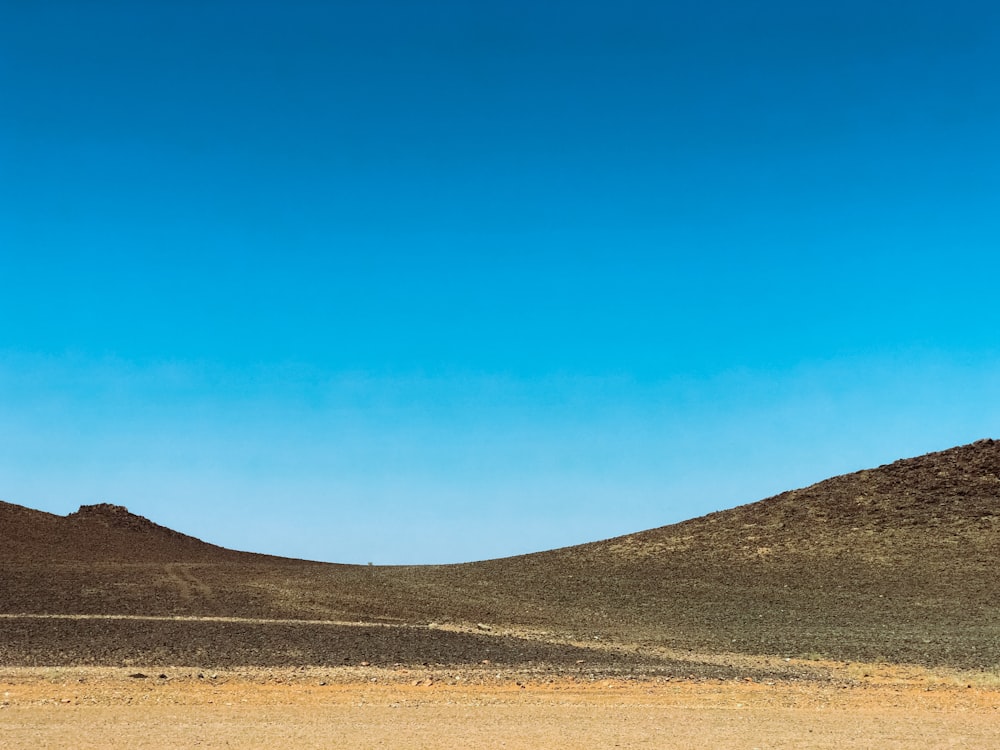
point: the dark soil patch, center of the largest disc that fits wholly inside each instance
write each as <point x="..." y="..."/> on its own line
<point x="35" y="642"/>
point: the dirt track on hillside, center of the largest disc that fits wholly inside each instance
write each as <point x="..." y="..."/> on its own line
<point x="412" y="709"/>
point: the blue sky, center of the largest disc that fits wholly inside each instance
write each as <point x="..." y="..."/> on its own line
<point x="430" y="282"/>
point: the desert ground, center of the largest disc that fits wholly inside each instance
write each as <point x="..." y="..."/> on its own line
<point x="860" y="612"/>
<point x="852" y="706"/>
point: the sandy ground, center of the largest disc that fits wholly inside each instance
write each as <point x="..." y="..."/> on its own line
<point x="863" y="707"/>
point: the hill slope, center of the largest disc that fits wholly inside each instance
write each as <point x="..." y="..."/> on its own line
<point x="96" y="533"/>
<point x="895" y="563"/>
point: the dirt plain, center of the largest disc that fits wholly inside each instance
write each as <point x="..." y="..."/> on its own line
<point x="855" y="706"/>
<point x="860" y="612"/>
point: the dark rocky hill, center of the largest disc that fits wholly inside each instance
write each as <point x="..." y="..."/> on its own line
<point x="895" y="563"/>
<point x="96" y="533"/>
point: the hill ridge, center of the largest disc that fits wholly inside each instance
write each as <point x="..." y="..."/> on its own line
<point x="95" y="533"/>
<point x="894" y="563"/>
<point x="952" y="488"/>
<point x="932" y="479"/>
<point x="952" y="493"/>
<point x="120" y="517"/>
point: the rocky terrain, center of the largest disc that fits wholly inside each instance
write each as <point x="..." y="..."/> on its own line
<point x="896" y="563"/>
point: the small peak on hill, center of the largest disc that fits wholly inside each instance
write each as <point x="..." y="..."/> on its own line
<point x="101" y="510"/>
<point x="119" y="517"/>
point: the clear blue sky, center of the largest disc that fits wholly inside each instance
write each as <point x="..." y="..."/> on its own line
<point x="435" y="281"/>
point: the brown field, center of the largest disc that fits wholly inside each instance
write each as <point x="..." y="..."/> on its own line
<point x="859" y="612"/>
<point x="858" y="706"/>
